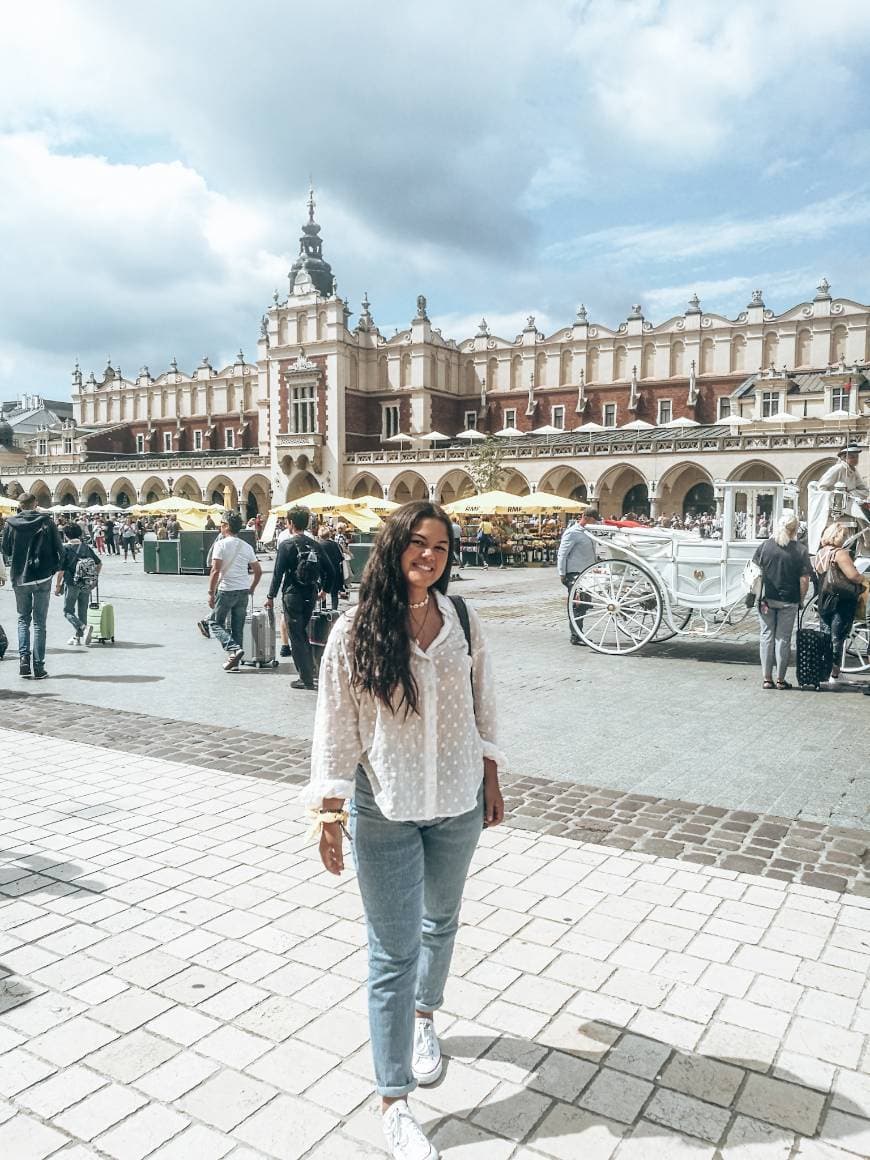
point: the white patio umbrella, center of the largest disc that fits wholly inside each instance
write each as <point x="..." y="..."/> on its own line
<point x="683" y="421"/>
<point x="400" y="437"/>
<point x="637" y="425"/>
<point x="839" y="416"/>
<point x="509" y="433"/>
<point x="433" y="437"/>
<point x="547" y="429"/>
<point x="781" y="417"/>
<point x="471" y="434"/>
<point x="735" y="420"/>
<point x="590" y="427"/>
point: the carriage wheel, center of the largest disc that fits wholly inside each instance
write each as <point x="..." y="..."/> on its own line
<point x="680" y="616"/>
<point x="856" y="654"/>
<point x="615" y="607"/>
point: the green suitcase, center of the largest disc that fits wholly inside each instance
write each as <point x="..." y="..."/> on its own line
<point x="101" y="619"/>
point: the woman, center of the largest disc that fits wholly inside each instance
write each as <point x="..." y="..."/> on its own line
<point x="840" y="587"/>
<point x="785" y="569"/>
<point x="403" y="705"/>
<point x="129" y="539"/>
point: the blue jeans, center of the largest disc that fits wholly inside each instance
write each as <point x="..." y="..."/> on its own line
<point x="411" y="876"/>
<point x="75" y="607"/>
<point x="775" y="631"/>
<point x="228" y="619"/>
<point x="32" y="603"/>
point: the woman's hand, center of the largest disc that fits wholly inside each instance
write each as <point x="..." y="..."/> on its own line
<point x="493" y="802"/>
<point x="331" y="853"/>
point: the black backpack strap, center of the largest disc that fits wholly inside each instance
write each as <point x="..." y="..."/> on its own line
<point x="461" y="607"/>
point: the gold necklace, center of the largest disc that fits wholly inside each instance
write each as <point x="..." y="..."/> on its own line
<point x="420" y="603"/>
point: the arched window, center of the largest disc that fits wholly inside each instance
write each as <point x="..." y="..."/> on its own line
<point x="592" y="360"/>
<point x="707" y="356"/>
<point x="301" y="328"/>
<point x="383" y="375"/>
<point x="321" y="325"/>
<point x="771" y="350"/>
<point x="648" y="361"/>
<point x="492" y="374"/>
<point x="804" y="348"/>
<point x="405" y="371"/>
<point x="620" y="360"/>
<point x="541" y="369"/>
<point x="678" y="359"/>
<point x="231" y="397"/>
<point x="516" y="372"/>
<point x="738" y="353"/>
<point x="471" y="383"/>
<point x="354" y="372"/>
<point x="838" y="343"/>
<point x="566" y="367"/>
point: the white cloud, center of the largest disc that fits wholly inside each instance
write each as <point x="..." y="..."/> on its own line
<point x="723" y="295"/>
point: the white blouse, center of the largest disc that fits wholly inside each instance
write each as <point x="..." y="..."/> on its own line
<point x="424" y="766"/>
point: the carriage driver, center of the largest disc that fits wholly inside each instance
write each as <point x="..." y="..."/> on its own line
<point x="845" y="473"/>
<point x="576" y="552"/>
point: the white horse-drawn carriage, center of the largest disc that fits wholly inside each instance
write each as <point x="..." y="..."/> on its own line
<point x="650" y="584"/>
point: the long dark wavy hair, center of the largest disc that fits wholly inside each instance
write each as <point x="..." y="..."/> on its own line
<point x="380" y="644"/>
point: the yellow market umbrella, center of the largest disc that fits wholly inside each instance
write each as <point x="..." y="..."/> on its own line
<point x="322" y="502"/>
<point x="381" y="507"/>
<point x="363" y="519"/>
<point x="7" y="505"/>
<point x="190" y="513"/>
<point x="543" y="502"/>
<point x="490" y="503"/>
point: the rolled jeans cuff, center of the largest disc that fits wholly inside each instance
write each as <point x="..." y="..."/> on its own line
<point x="396" y="1093"/>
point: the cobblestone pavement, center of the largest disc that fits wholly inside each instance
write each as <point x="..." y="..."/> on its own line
<point x="833" y="857"/>
<point x="681" y="721"/>
<point x="181" y="979"/>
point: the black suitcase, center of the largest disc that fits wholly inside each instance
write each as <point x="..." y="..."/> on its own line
<point x="319" y="628"/>
<point x="814" y="657"/>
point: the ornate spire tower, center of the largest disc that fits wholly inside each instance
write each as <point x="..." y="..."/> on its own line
<point x="309" y="274"/>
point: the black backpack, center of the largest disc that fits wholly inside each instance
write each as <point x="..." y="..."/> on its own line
<point x="43" y="556"/>
<point x="307" y="571"/>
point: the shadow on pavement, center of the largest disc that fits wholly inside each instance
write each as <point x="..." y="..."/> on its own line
<point x="106" y="678"/>
<point x="618" y="1078"/>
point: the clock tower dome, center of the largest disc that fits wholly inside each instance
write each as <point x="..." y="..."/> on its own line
<point x="309" y="274"/>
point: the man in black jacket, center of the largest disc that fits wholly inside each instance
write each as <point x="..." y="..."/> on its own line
<point x="299" y="596"/>
<point x="32" y="544"/>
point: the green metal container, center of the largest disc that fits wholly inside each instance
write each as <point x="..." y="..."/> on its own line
<point x="193" y="549"/>
<point x="149" y="555"/>
<point x="359" y="558"/>
<point x="167" y="557"/>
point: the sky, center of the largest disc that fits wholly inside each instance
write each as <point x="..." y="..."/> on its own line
<point x="504" y="159"/>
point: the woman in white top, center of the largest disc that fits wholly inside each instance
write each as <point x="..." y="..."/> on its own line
<point x="405" y="726"/>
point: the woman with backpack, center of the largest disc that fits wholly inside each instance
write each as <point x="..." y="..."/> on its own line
<point x="838" y="593"/>
<point x="405" y="728"/>
<point x="79" y="568"/>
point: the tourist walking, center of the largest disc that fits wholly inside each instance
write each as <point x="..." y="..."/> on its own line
<point x="398" y="705"/>
<point x="785" y="571"/>
<point x="75" y="579"/>
<point x="235" y="573"/>
<point x="299" y="578"/>
<point x="32" y="544"/>
<point x="576" y="553"/>
<point x="336" y="561"/>
<point x="111" y="545"/>
<point x="838" y="591"/>
<point x="129" y="539"/>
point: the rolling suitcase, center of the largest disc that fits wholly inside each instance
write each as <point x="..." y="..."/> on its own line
<point x="258" y="639"/>
<point x="319" y="628"/>
<point x="814" y="657"/>
<point x="101" y="619"/>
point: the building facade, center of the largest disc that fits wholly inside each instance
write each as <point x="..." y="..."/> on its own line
<point x="325" y="405"/>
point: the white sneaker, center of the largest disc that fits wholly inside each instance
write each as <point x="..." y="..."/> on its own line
<point x="405" y="1138"/>
<point x="426" y="1062"/>
<point x="833" y="680"/>
<point x="73" y="640"/>
<point x="89" y="632"/>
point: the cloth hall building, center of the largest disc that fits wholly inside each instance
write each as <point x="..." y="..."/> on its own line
<point x="681" y="405"/>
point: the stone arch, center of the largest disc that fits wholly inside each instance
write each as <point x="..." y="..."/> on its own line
<point x="301" y="328"/>
<point x="471" y="383"/>
<point x="321" y="325"/>
<point x="771" y="350"/>
<point x="707" y="351"/>
<point x="838" y="343"/>
<point x="566" y="367"/>
<point x="123" y="493"/>
<point x="353" y="369"/>
<point x="456" y="484"/>
<point x="405" y="370"/>
<point x="214" y="493"/>
<point x="685" y="488"/>
<point x="302" y="483"/>
<point x="92" y="493"/>
<point x="66" y="492"/>
<point x="618" y="484"/>
<point x="364" y="484"/>
<point x="492" y="374"/>
<point x="809" y="475"/>
<point x="287" y="465"/>
<point x="151" y="490"/>
<point x="678" y="359"/>
<point x="804" y="348"/>
<point x="256" y="491"/>
<point x="565" y="481"/>
<point x="515" y="483"/>
<point x="620" y="364"/>
<point x="648" y="361"/>
<point x="187" y="488"/>
<point x="42" y="491"/>
<point x="407" y="486"/>
<point x="14" y="489"/>
<point x="755" y="471"/>
<point x="738" y="354"/>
